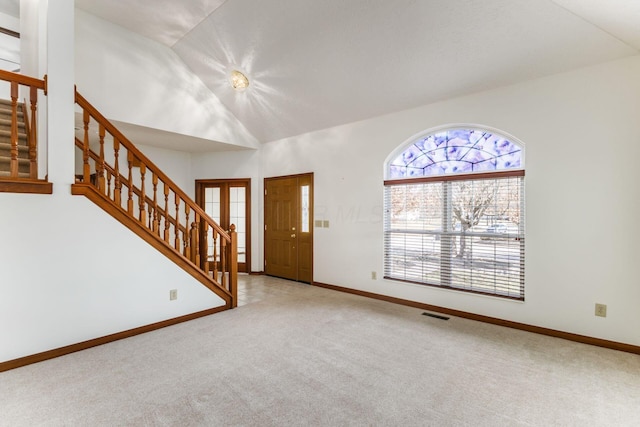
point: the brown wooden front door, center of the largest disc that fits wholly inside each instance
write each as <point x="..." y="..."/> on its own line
<point x="288" y="227"/>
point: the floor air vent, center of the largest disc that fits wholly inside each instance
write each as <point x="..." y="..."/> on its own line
<point x="436" y="316"/>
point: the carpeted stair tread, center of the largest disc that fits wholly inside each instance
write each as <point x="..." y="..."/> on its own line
<point x="7" y="159"/>
<point x="6" y="173"/>
<point x="6" y="134"/>
<point x="5" y="123"/>
<point x="6" y="115"/>
<point x="6" y="111"/>
<point x="7" y="145"/>
<point x="5" y="150"/>
<point x="24" y="164"/>
<point x="6" y="103"/>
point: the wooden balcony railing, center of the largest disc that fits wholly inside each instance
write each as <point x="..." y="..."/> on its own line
<point x="139" y="193"/>
<point x="16" y="81"/>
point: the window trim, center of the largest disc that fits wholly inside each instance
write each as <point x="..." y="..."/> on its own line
<point x="459" y="177"/>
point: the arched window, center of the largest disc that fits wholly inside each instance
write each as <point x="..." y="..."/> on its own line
<point x="454" y="212"/>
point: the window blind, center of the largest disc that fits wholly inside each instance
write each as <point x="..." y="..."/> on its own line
<point x="464" y="233"/>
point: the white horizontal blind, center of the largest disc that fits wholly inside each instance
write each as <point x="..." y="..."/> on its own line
<point x="465" y="234"/>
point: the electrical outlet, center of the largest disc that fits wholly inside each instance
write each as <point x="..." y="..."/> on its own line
<point x="325" y="223"/>
<point x="173" y="294"/>
<point x="374" y="275"/>
<point x="601" y="310"/>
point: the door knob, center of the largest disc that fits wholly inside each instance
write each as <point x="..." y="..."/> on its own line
<point x="293" y="236"/>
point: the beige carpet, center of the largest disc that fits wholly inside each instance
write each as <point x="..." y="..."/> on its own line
<point x="310" y="356"/>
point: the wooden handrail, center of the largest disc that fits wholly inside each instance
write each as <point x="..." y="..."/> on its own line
<point x="22" y="79"/>
<point x="148" y="203"/>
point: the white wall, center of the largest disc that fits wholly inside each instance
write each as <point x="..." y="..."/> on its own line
<point x="133" y="79"/>
<point x="582" y="209"/>
<point x="60" y="94"/>
<point x="9" y="46"/>
<point x="175" y="164"/>
<point x="72" y="273"/>
<point x="7" y="51"/>
<point x="30" y="33"/>
<point x="9" y="22"/>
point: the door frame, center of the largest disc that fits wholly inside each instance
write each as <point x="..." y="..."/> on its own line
<point x="308" y="178"/>
<point x="201" y="184"/>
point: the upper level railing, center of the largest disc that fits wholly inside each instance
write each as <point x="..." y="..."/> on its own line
<point x="137" y="188"/>
<point x="28" y="112"/>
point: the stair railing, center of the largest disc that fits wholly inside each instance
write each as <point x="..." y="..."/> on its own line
<point x="115" y="168"/>
<point x="31" y="125"/>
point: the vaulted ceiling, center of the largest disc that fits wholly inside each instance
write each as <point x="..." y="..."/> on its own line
<point x="315" y="64"/>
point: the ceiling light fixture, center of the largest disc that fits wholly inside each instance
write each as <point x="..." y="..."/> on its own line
<point x="239" y="81"/>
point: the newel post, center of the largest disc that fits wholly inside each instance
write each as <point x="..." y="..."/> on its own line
<point x="233" y="267"/>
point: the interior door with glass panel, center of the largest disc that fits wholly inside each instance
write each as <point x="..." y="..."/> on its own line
<point x="228" y="202"/>
<point x="288" y="231"/>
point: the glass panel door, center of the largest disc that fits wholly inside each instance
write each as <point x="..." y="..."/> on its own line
<point x="237" y="216"/>
<point x="227" y="202"/>
<point x="212" y="204"/>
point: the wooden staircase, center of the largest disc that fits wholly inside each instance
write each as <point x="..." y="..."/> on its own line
<point x="24" y="164"/>
<point x="127" y="185"/>
<point x="123" y="182"/>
